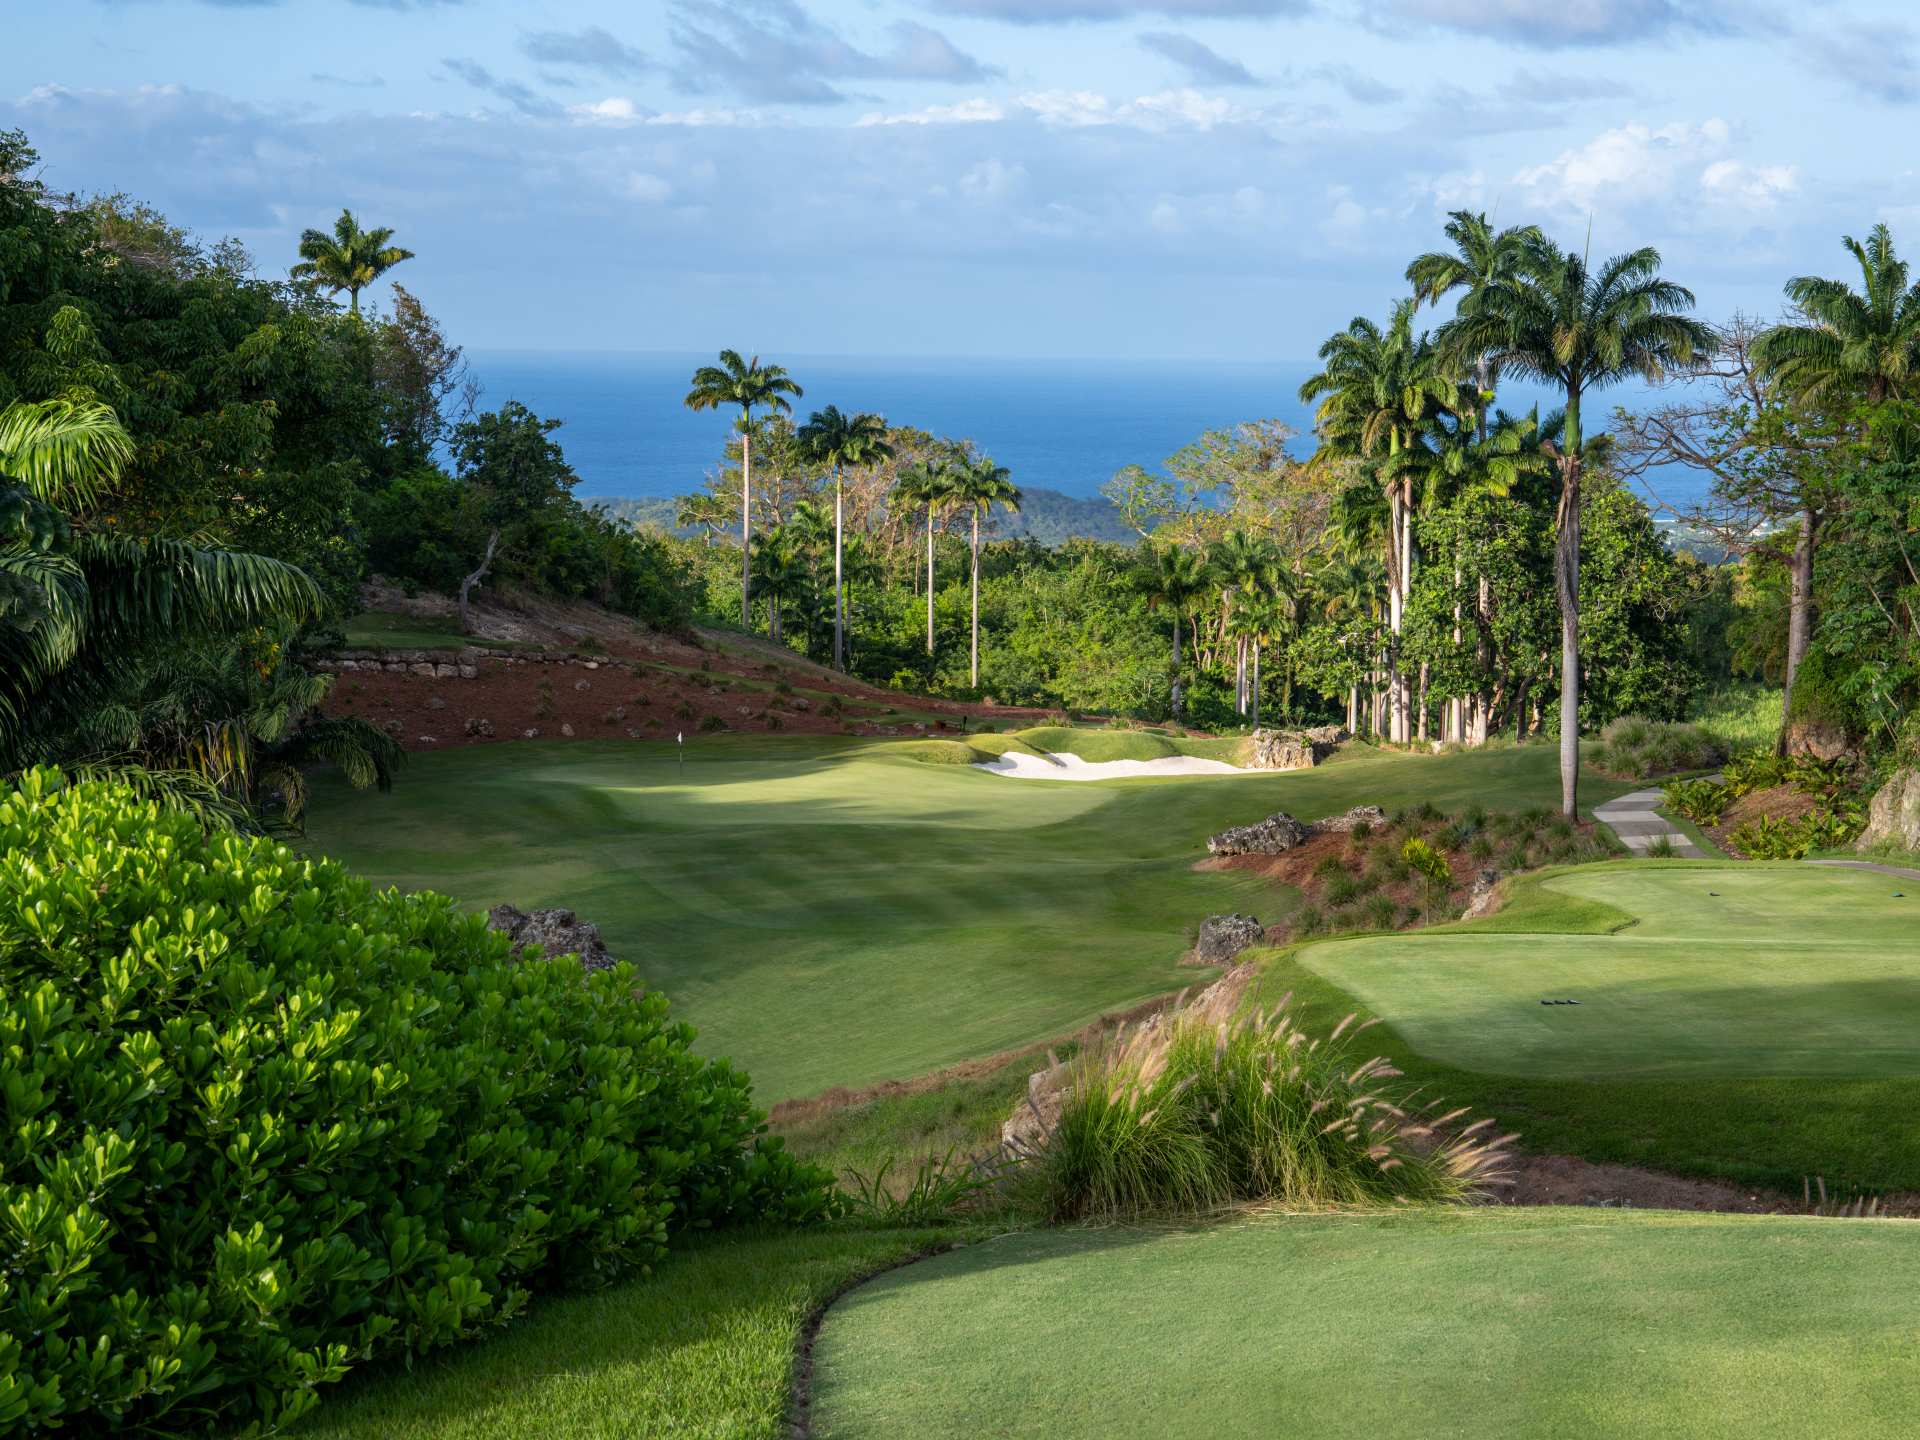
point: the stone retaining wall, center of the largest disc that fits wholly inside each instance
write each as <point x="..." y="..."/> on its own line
<point x="465" y="667"/>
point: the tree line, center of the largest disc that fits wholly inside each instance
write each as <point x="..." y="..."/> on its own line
<point x="1440" y="568"/>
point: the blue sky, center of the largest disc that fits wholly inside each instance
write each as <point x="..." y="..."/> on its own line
<point x="1186" y="178"/>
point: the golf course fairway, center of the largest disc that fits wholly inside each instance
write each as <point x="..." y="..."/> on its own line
<point x="1717" y="970"/>
<point x="1510" y="1323"/>
<point x="832" y="912"/>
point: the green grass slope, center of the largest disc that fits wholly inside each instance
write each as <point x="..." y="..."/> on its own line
<point x="1729" y="971"/>
<point x="831" y="911"/>
<point x="1733" y="1049"/>
<point x="701" y="1350"/>
<point x="1511" y="1323"/>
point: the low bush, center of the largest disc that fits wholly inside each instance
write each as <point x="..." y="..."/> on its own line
<point x="1345" y="887"/>
<point x="264" y="1123"/>
<point x="1636" y="749"/>
<point x="1701" y="801"/>
<point x="1203" y="1110"/>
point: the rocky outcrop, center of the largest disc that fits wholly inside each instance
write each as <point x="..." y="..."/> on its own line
<point x="1371" y="816"/>
<point x="1893" y="820"/>
<point x="1224" y="936"/>
<point x="1485" y="897"/>
<point x="1806" y="734"/>
<point x="1292" y="749"/>
<point x="1275" y="835"/>
<point x="556" y="932"/>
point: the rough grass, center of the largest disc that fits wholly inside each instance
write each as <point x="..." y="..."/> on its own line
<point x="702" y="1349"/>
<point x="1637" y="749"/>
<point x="1741" y="717"/>
<point x="390" y="630"/>
<point x="1515" y="1323"/>
<point x="829" y="912"/>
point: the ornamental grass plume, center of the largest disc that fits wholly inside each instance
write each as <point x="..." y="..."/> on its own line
<point x="1201" y="1109"/>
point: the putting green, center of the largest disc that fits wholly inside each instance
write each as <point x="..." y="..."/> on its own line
<point x="830" y="912"/>
<point x="1512" y="1323"/>
<point x="1719" y="971"/>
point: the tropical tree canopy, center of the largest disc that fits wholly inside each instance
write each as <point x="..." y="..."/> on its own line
<point x="349" y="259"/>
<point x="1863" y="342"/>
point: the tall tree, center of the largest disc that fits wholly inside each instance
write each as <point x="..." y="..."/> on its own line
<point x="838" y="439"/>
<point x="928" y="483"/>
<point x="1481" y="256"/>
<point x="1175" y="577"/>
<point x="1850" y="344"/>
<point x="980" y="485"/>
<point x="1770" y="454"/>
<point x="1245" y="567"/>
<point x="751" y="386"/>
<point x="350" y="259"/>
<point x="1556" y="320"/>
<point x="1377" y="390"/>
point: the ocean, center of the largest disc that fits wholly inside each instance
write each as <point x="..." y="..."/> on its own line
<point x="1064" y="425"/>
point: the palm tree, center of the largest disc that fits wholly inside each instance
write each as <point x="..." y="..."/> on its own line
<point x="1175" y="577"/>
<point x="1263" y="618"/>
<point x="79" y="600"/>
<point x="1464" y="459"/>
<point x="783" y="574"/>
<point x="1244" y="566"/>
<point x="350" y="259"/>
<point x="1378" y="389"/>
<point x="1481" y="255"/>
<point x="750" y="385"/>
<point x="928" y="483"/>
<point x="979" y="486"/>
<point x="1556" y="320"/>
<point x="1864" y="342"/>
<point x="839" y="440"/>
<point x="1352" y="586"/>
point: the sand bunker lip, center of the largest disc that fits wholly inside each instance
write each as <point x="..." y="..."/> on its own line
<point x="1065" y="766"/>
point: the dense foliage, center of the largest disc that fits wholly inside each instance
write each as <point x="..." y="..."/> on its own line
<point x="265" y="1123"/>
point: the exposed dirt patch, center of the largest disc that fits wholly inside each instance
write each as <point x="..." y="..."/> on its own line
<point x="1569" y="1180"/>
<point x="586" y="673"/>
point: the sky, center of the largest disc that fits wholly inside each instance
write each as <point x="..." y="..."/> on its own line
<point x="1173" y="179"/>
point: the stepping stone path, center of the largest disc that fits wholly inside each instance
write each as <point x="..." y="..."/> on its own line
<point x="1636" y="820"/>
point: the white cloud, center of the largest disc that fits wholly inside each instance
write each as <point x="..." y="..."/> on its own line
<point x="966" y="112"/>
<point x="618" y="110"/>
<point x="1165" y="217"/>
<point x="992" y="179"/>
<point x="1756" y="187"/>
<point x="650" y="189"/>
<point x="1638" y="164"/>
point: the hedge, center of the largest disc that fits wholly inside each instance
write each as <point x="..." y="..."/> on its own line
<point x="263" y="1123"/>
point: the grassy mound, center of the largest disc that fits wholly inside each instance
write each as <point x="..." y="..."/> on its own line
<point x="1521" y="1323"/>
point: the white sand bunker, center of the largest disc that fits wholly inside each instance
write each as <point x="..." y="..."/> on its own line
<point x="1063" y="766"/>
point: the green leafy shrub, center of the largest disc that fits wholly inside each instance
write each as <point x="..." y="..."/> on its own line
<point x="1204" y="1109"/>
<point x="264" y="1123"/>
<point x="1426" y="860"/>
<point x="1769" y="837"/>
<point x="1701" y="801"/>
<point x="1757" y="770"/>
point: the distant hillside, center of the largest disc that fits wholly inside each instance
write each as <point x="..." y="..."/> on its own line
<point x="1049" y="517"/>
